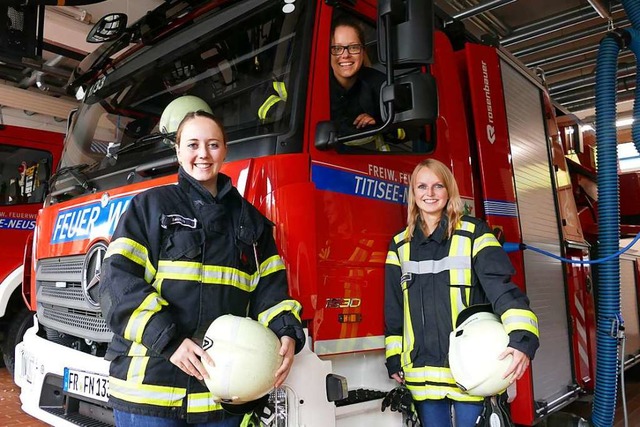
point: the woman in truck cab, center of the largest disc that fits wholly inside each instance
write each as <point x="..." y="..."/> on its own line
<point x="181" y="256"/>
<point x="442" y="262"/>
<point x="354" y="88"/>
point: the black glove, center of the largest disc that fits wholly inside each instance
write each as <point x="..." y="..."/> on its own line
<point x="256" y="406"/>
<point x="495" y="412"/>
<point x="399" y="400"/>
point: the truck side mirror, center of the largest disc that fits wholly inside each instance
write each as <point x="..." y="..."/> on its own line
<point x="411" y="31"/>
<point x="326" y="136"/>
<point x="414" y="97"/>
<point x="108" y="28"/>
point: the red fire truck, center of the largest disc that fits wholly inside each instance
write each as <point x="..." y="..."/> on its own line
<point x="335" y="204"/>
<point x="26" y="163"/>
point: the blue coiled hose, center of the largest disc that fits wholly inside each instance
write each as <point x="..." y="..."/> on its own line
<point x="609" y="217"/>
<point x="608" y="227"/>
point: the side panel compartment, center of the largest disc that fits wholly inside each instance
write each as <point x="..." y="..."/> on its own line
<point x="552" y="372"/>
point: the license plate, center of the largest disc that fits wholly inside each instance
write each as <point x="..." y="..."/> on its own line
<point x="87" y="384"/>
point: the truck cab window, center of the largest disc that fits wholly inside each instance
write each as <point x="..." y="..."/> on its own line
<point x="24" y="173"/>
<point x="355" y="80"/>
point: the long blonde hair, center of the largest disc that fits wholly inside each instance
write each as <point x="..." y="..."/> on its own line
<point x="454" y="208"/>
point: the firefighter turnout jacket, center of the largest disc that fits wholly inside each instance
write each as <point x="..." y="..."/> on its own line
<point x="180" y="258"/>
<point x="429" y="281"/>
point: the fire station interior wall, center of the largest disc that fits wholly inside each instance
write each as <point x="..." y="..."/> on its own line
<point x="629" y="306"/>
<point x="551" y="368"/>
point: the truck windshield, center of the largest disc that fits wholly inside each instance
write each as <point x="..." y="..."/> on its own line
<point x="241" y="65"/>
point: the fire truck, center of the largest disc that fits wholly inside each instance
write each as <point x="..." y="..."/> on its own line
<point x="336" y="200"/>
<point x="29" y="156"/>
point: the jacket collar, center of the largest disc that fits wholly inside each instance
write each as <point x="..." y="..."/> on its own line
<point x="439" y="234"/>
<point x="248" y="221"/>
<point x="197" y="191"/>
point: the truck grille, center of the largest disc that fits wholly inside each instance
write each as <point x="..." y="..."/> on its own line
<point x="62" y="304"/>
<point x="78" y="320"/>
<point x="63" y="267"/>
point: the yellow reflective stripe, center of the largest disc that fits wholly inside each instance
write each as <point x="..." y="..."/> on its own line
<point x="420" y="393"/>
<point x="281" y="89"/>
<point x="146" y="393"/>
<point x="520" y="319"/>
<point x="215" y="275"/>
<point x="179" y="270"/>
<point x="484" y="241"/>
<point x="392" y="258"/>
<point x="138" y="364"/>
<point x="271" y="265"/>
<point x="434" y="383"/>
<point x="433" y="374"/>
<point x="290" y="305"/>
<point x="140" y="317"/>
<point x="201" y="402"/>
<point x="157" y="285"/>
<point x="133" y="251"/>
<point x="404" y="254"/>
<point x="400" y="236"/>
<point x="137" y="368"/>
<point x="466" y="226"/>
<point x="137" y="349"/>
<point x="457" y="304"/>
<point x="282" y="95"/>
<point x="460" y="278"/>
<point x="393" y="345"/>
<point x="381" y="144"/>
<point x="266" y="106"/>
<point x="409" y="337"/>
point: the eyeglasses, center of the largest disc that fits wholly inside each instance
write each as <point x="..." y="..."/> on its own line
<point x="353" y="49"/>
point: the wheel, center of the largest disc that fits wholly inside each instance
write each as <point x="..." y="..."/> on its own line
<point x="18" y="325"/>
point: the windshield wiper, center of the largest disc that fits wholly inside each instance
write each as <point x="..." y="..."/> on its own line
<point x="75" y="171"/>
<point x="145" y="141"/>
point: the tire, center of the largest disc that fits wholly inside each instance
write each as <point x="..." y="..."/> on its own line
<point x="18" y="325"/>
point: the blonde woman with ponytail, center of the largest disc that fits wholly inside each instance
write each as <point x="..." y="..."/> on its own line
<point x="441" y="263"/>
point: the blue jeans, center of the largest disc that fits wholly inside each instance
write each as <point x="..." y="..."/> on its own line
<point x="437" y="413"/>
<point x="126" y="419"/>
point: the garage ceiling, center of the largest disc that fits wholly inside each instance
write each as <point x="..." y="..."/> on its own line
<point x="556" y="39"/>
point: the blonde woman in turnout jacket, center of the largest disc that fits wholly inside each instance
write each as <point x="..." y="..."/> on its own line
<point x="441" y="263"/>
<point x="183" y="255"/>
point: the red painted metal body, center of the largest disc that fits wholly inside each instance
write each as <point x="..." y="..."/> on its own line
<point x="18" y="219"/>
<point x="335" y="214"/>
<point x="13" y="238"/>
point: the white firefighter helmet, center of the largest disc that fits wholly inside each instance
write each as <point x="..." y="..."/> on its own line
<point x="177" y="109"/>
<point x="246" y="357"/>
<point x="474" y="347"/>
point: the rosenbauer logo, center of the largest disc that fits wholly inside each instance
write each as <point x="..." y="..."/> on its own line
<point x="98" y="219"/>
<point x="491" y="130"/>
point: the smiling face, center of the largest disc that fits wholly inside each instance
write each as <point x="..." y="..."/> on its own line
<point x="431" y="195"/>
<point x="346" y="66"/>
<point x="201" y="150"/>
